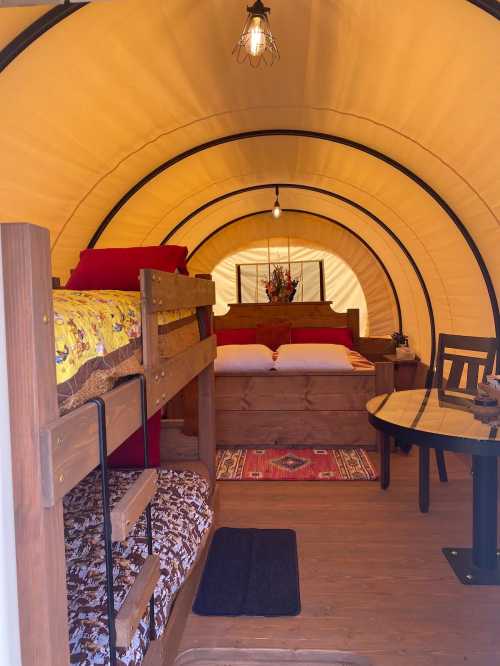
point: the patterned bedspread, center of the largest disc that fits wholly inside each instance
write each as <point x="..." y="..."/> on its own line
<point x="180" y="515"/>
<point x="98" y="340"/>
<point x="360" y="363"/>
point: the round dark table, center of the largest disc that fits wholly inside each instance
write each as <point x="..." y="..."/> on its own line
<point x="431" y="418"/>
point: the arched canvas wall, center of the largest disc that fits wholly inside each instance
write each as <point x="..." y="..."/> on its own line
<point x="118" y="89"/>
<point x="320" y="233"/>
<point x="341" y="285"/>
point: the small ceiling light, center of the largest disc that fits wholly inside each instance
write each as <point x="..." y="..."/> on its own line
<point x="277" y="208"/>
<point x="256" y="43"/>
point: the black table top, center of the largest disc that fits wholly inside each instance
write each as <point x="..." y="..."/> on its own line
<point x="434" y="418"/>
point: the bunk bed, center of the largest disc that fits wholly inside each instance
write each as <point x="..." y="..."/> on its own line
<point x="62" y="485"/>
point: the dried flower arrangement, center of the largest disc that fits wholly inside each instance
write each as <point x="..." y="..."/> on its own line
<point x="280" y="288"/>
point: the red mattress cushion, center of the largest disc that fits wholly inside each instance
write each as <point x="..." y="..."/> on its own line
<point x="335" y="336"/>
<point x="131" y="452"/>
<point x="118" y="268"/>
<point x="236" y="336"/>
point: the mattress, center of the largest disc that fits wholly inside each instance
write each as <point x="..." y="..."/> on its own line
<point x="181" y="517"/>
<point x="360" y="365"/>
<point x="98" y="340"/>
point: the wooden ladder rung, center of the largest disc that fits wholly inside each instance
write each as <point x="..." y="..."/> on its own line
<point x="155" y="654"/>
<point x="134" y="606"/>
<point x="133" y="503"/>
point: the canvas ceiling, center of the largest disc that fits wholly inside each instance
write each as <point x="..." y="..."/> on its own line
<point x="120" y="87"/>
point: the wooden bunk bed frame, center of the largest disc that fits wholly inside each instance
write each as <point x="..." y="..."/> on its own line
<point x="51" y="454"/>
<point x="320" y="409"/>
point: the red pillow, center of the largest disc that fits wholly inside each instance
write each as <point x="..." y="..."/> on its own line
<point x="131" y="452"/>
<point x="274" y="335"/>
<point x="335" y="336"/>
<point x="118" y="268"/>
<point x="236" y="336"/>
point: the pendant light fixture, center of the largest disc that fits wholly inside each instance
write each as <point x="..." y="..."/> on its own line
<point x="276" y="212"/>
<point x="256" y="43"/>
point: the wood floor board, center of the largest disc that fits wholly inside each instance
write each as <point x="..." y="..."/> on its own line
<point x="374" y="582"/>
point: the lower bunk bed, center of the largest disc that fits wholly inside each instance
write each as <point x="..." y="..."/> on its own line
<point x="182" y="520"/>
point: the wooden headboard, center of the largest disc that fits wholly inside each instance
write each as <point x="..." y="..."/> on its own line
<point x="314" y="314"/>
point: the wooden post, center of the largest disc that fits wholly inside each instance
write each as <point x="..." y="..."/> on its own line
<point x="41" y="568"/>
<point x="150" y="345"/>
<point x="206" y="420"/>
<point x="206" y="401"/>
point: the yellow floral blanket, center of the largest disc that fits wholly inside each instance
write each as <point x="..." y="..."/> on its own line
<point x="96" y="331"/>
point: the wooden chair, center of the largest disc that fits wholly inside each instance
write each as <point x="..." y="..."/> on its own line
<point x="459" y="364"/>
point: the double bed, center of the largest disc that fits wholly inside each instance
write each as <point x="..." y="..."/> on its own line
<point x="314" y="407"/>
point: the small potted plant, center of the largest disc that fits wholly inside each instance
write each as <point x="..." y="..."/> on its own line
<point x="400" y="339"/>
<point x="403" y="351"/>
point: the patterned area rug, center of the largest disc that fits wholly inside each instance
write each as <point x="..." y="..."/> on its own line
<point x="348" y="464"/>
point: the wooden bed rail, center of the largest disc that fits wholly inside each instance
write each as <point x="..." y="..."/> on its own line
<point x="168" y="291"/>
<point x="69" y="444"/>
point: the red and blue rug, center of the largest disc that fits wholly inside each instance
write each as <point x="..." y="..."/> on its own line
<point x="349" y="464"/>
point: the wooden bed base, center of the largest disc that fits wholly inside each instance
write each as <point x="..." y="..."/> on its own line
<point x="314" y="409"/>
<point x="293" y="410"/>
<point x="51" y="454"/>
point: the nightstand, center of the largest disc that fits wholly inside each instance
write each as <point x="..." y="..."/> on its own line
<point x="405" y="372"/>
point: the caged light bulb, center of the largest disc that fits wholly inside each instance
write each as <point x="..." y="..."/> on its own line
<point x="276" y="210"/>
<point x="256" y="42"/>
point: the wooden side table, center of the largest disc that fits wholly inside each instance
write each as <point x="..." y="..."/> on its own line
<point x="405" y="378"/>
<point x="405" y="372"/>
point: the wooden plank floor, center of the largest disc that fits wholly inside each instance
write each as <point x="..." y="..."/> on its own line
<point x="373" y="580"/>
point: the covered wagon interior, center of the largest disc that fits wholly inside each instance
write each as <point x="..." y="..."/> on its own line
<point x="249" y="289"/>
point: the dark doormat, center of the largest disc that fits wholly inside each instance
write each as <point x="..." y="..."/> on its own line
<point x="250" y="572"/>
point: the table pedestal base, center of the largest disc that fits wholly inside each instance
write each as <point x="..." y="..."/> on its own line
<point x="460" y="560"/>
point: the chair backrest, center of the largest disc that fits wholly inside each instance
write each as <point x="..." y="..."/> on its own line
<point x="465" y="343"/>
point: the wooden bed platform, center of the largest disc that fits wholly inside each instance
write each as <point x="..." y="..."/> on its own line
<point x="297" y="409"/>
<point x="51" y="454"/>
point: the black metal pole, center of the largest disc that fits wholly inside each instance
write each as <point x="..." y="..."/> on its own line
<point x="238" y="283"/>
<point x="321" y="281"/>
<point x="103" y="461"/>
<point x="149" y="526"/>
<point x="423" y="479"/>
<point x="484" y="531"/>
